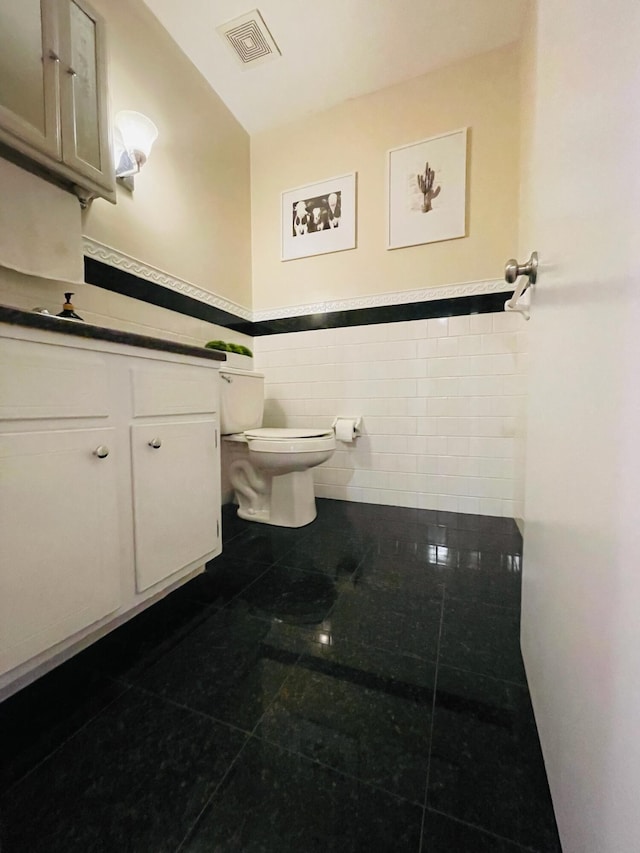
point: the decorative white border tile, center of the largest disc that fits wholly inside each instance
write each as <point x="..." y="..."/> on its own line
<point x="114" y="258"/>
<point x="399" y="297"/>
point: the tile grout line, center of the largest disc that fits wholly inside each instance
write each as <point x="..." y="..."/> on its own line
<point x="433" y="716"/>
<point x="125" y="691"/>
<point x="487" y="832"/>
<point x="249" y="736"/>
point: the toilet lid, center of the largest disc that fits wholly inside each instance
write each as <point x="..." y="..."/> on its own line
<point x="269" y="434"/>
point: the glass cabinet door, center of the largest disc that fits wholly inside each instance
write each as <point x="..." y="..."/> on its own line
<point x="85" y="138"/>
<point x="29" y="68"/>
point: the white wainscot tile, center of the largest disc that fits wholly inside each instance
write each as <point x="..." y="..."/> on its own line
<point x="437" y="445"/>
<point x="514" y="385"/>
<point x="387" y="443"/>
<point x="405" y="482"/>
<point x="416" y="406"/>
<point x="470" y="345"/>
<point x="427" y="348"/>
<point x="433" y="483"/>
<point x="446" y="387"/>
<point x="398" y="388"/>
<point x="469" y="505"/>
<point x="505" y="321"/>
<point x="407" y="463"/>
<point x="497" y="344"/>
<point x="426" y="388"/>
<point x="427" y="501"/>
<point x="417" y="444"/>
<point x="490" y="506"/>
<point x="448" y="503"/>
<point x="429" y="464"/>
<point x="480" y="324"/>
<point x="406" y="330"/>
<point x="471" y="466"/>
<point x="457" y="486"/>
<point x="437" y="327"/>
<point x="459" y="325"/>
<point x="438" y="406"/>
<point x="509" y="509"/>
<point x="481" y="406"/>
<point x="427" y="426"/>
<point x="405" y="369"/>
<point x="505" y="364"/>
<point x="447" y="347"/>
<point x="449" y="465"/>
<point x="449" y="426"/>
<point x="458" y="445"/>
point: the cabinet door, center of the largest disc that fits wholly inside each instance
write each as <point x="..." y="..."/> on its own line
<point x="29" y="69"/>
<point x="83" y="99"/>
<point x="176" y="497"/>
<point x="59" y="567"/>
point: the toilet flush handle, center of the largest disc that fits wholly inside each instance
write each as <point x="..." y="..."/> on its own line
<point x="226" y="378"/>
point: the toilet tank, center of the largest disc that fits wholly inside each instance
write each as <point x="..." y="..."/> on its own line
<point x="241" y="400"/>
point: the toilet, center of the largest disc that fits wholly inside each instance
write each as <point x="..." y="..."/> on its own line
<point x="270" y="469"/>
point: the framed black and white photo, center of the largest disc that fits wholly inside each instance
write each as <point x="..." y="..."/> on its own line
<point x="319" y="218"/>
<point x="427" y="190"/>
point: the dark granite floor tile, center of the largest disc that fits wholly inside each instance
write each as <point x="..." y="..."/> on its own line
<point x="297" y="805"/>
<point x="362" y="616"/>
<point x="222" y="580"/>
<point x="482" y="638"/>
<point x="337" y="556"/>
<point x="137" y="644"/>
<point x="260" y="543"/>
<point x="372" y="726"/>
<point x="226" y="668"/>
<point x="290" y="595"/>
<point x="406" y="579"/>
<point x="486" y="765"/>
<point x="443" y="835"/>
<point x="485" y="576"/>
<point x="134" y="780"/>
<point x="35" y="721"/>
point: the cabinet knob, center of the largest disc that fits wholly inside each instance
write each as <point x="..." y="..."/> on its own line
<point x="72" y="72"/>
<point x="54" y="56"/>
<point x="101" y="451"/>
<point x="155" y="443"/>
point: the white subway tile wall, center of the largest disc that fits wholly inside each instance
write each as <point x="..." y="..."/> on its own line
<point x="442" y="401"/>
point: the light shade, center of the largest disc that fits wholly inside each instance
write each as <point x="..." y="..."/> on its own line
<point x="138" y="133"/>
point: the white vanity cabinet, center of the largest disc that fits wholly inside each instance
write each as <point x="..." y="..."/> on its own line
<point x="109" y="487"/>
<point x="53" y="91"/>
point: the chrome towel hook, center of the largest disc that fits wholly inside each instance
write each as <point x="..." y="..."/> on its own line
<point x="529" y="272"/>
<point x="513" y="270"/>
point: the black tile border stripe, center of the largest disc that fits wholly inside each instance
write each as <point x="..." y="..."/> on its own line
<point x="118" y="281"/>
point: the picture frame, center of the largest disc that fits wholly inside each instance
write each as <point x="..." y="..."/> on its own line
<point x="318" y="218"/>
<point x="427" y="190"/>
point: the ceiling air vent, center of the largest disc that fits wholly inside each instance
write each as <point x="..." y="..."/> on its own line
<point x="250" y="39"/>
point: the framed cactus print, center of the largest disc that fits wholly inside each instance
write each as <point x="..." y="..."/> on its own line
<point x="427" y="190"/>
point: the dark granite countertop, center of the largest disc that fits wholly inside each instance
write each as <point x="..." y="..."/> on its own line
<point x="51" y="323"/>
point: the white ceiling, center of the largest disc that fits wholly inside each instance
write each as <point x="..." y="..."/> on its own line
<point x="333" y="50"/>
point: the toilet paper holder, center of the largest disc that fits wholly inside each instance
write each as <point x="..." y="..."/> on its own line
<point x="353" y="419"/>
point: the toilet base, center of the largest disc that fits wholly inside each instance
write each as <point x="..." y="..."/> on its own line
<point x="292" y="502"/>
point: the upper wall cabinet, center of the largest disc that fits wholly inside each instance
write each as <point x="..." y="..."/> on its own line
<point x="53" y="91"/>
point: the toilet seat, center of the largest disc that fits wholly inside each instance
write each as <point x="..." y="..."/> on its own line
<point x="269" y="440"/>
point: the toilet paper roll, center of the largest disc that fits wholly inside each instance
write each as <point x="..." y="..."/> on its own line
<point x="346" y="429"/>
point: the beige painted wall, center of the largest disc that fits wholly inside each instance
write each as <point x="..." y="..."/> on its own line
<point x="190" y="213"/>
<point x="481" y="93"/>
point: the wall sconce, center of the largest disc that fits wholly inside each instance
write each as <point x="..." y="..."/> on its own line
<point x="134" y="134"/>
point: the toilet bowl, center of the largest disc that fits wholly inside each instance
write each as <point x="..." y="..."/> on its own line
<point x="270" y="469"/>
